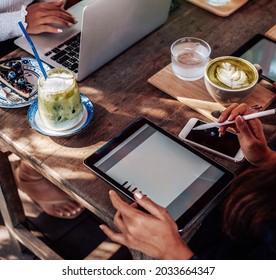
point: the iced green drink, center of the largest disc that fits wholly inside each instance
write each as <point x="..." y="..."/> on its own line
<point x="59" y="102"/>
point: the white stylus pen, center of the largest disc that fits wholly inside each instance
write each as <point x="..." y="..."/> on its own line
<point x="245" y="117"/>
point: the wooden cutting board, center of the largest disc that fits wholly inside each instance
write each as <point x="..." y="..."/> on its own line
<point x="195" y="95"/>
<point x="271" y="33"/>
<point x="224" y="10"/>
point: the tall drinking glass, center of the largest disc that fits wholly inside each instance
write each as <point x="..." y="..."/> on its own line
<point x="59" y="102"/>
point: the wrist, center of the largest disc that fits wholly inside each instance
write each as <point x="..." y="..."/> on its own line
<point x="270" y="156"/>
<point x="179" y="251"/>
<point x="24" y="13"/>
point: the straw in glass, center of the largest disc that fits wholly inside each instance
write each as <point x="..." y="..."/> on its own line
<point x="33" y="48"/>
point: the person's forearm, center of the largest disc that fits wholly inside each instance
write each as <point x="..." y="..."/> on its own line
<point x="37" y="1"/>
<point x="66" y="2"/>
<point x="9" y="24"/>
<point x="272" y="157"/>
<point x="266" y="156"/>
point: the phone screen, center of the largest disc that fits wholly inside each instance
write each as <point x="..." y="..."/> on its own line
<point x="262" y="51"/>
<point x="227" y="144"/>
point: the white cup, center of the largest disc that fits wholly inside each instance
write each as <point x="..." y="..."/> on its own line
<point x="189" y="58"/>
<point x="230" y="79"/>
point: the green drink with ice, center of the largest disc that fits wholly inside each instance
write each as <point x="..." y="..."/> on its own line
<point x="59" y="102"/>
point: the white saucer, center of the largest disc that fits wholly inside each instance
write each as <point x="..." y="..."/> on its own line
<point x="37" y="124"/>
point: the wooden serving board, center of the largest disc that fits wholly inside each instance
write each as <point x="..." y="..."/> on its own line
<point x="224" y="10"/>
<point x="271" y="33"/>
<point x="195" y="95"/>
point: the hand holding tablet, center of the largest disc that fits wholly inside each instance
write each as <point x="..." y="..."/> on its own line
<point x="159" y="237"/>
<point x="174" y="175"/>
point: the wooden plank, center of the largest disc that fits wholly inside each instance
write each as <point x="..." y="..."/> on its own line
<point x="188" y="92"/>
<point x="223" y="10"/>
<point x="271" y="33"/>
<point x="35" y="245"/>
<point x="104" y="251"/>
<point x="10" y="203"/>
<point x="13" y="214"/>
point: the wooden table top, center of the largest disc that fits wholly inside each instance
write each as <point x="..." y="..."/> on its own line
<point x="120" y="94"/>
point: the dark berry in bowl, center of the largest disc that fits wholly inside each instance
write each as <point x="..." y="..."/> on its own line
<point x="22" y="82"/>
<point x="16" y="66"/>
<point x="11" y="75"/>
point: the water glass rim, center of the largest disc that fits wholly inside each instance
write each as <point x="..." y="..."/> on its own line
<point x="190" y="39"/>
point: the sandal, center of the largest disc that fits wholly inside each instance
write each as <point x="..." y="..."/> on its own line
<point x="58" y="204"/>
<point x="53" y="208"/>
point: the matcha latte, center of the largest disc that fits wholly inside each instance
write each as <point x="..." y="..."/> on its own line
<point x="59" y="102"/>
<point x="230" y="79"/>
<point x="231" y="73"/>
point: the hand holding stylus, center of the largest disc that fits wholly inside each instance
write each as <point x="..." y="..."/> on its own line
<point x="250" y="134"/>
<point x="245" y="117"/>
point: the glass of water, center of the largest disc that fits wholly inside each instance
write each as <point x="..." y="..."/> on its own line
<point x="189" y="58"/>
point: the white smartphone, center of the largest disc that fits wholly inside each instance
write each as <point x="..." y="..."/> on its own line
<point x="227" y="146"/>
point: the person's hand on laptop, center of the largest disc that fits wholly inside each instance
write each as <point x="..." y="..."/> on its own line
<point x="250" y="133"/>
<point x="153" y="233"/>
<point x="48" y="17"/>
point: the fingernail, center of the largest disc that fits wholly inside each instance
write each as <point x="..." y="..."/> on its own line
<point x="220" y="134"/>
<point x="138" y="194"/>
<point x="256" y="107"/>
<point x="70" y="24"/>
<point x="239" y="120"/>
<point x="59" y="30"/>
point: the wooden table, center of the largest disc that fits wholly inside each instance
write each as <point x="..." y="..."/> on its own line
<point x="120" y="93"/>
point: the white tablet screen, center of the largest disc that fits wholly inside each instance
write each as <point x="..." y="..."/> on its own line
<point x="159" y="167"/>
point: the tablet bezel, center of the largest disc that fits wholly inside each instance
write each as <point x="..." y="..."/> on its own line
<point x="248" y="45"/>
<point x="206" y="199"/>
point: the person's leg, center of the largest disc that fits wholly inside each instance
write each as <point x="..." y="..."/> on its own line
<point x="49" y="197"/>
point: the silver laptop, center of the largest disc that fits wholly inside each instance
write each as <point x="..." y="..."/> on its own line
<point x="105" y="28"/>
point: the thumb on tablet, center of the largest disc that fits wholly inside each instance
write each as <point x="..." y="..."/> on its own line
<point x="153" y="208"/>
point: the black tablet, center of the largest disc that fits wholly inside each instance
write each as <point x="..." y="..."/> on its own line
<point x="260" y="50"/>
<point x="145" y="157"/>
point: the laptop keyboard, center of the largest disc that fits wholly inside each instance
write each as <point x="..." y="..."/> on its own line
<point x="67" y="53"/>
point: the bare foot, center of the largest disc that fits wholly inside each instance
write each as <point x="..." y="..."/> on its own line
<point x="49" y="197"/>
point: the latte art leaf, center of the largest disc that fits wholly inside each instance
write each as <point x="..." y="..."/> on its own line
<point x="231" y="76"/>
